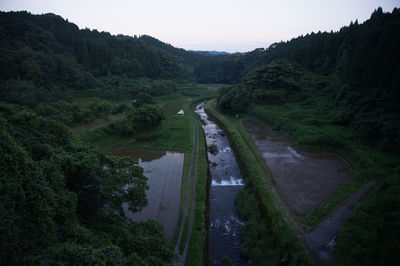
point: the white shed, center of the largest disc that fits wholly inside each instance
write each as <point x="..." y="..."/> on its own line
<point x="180" y="112"/>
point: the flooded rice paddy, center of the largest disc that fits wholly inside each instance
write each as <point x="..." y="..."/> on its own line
<point x="225" y="224"/>
<point x="304" y="178"/>
<point x="164" y="171"/>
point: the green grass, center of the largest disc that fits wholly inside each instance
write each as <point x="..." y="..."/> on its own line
<point x="172" y="106"/>
<point x="197" y="254"/>
<point x="173" y="134"/>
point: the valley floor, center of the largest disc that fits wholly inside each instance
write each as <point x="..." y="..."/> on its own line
<point x="181" y="133"/>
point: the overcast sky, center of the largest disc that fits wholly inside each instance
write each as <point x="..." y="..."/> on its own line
<point x="222" y="25"/>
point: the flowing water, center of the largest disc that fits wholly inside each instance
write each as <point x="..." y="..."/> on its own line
<point x="225" y="224"/>
<point x="164" y="172"/>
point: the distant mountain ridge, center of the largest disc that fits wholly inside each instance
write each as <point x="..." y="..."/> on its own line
<point x="209" y="53"/>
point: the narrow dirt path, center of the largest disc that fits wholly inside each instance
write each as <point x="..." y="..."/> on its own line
<point x="320" y="242"/>
<point x="189" y="203"/>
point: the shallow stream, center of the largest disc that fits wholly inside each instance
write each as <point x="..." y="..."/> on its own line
<point x="225" y="224"/>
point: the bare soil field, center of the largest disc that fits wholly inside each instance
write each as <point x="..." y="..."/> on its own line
<point x="303" y="178"/>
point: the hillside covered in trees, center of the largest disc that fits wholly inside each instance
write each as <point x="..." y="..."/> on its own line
<point x="61" y="199"/>
<point x="45" y="58"/>
<point x="360" y="63"/>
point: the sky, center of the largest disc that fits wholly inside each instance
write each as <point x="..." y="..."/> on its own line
<point x="218" y="25"/>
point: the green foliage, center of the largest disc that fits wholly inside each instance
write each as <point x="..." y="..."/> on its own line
<point x="233" y="99"/>
<point x="364" y="89"/>
<point x="213" y="149"/>
<point x="372" y="234"/>
<point x="257" y="244"/>
<point x="276" y="83"/>
<point x="74" y="113"/>
<point x="50" y="48"/>
<point x="142" y="99"/>
<point x="146" y="117"/>
<point x="61" y="202"/>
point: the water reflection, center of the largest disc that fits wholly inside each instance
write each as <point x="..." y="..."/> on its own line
<point x="142" y="154"/>
<point x="164" y="171"/>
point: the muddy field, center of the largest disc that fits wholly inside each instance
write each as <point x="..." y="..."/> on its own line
<point x="164" y="171"/>
<point x="304" y="179"/>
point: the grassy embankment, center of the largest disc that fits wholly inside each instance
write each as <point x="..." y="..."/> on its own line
<point x="267" y="236"/>
<point x="197" y="252"/>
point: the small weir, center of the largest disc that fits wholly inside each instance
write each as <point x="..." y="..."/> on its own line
<point x="225" y="224"/>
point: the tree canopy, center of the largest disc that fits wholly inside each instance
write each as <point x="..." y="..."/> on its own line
<point x="61" y="201"/>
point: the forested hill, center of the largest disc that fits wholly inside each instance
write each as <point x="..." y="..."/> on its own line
<point x="361" y="54"/>
<point x="361" y="62"/>
<point x="47" y="47"/>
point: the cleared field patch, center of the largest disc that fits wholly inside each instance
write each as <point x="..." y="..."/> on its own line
<point x="99" y="122"/>
<point x="305" y="179"/>
<point x="173" y="103"/>
<point x="215" y="86"/>
<point x="164" y="171"/>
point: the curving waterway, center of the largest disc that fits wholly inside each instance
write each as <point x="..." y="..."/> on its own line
<point x="225" y="224"/>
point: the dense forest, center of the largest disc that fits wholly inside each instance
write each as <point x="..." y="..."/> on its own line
<point x="45" y="58"/>
<point x="61" y="201"/>
<point x="360" y="61"/>
<point x="61" y="198"/>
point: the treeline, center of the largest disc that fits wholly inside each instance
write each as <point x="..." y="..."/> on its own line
<point x="49" y="48"/>
<point x="358" y="68"/>
<point x="144" y="117"/>
<point x="354" y="52"/>
<point x="73" y="113"/>
<point x="45" y="59"/>
<point x="279" y="82"/>
<point x="61" y="201"/>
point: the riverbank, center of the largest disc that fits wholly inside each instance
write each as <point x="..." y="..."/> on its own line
<point x="268" y="233"/>
<point x="313" y="127"/>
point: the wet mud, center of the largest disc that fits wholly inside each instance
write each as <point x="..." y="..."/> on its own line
<point x="303" y="178"/>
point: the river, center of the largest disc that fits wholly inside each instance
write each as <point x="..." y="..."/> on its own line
<point x="225" y="224"/>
